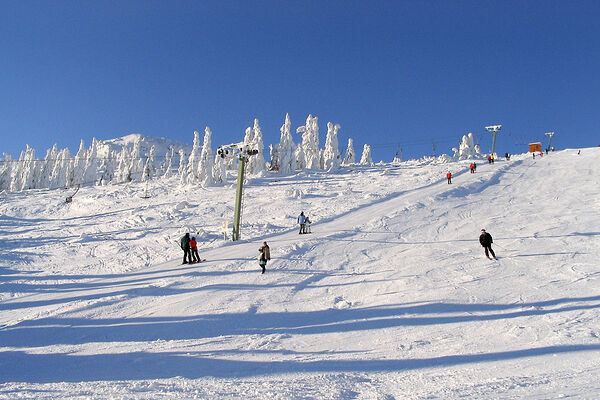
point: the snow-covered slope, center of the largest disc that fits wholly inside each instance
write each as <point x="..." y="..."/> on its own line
<point x="390" y="297"/>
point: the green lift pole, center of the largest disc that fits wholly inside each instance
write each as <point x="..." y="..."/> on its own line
<point x="238" y="199"/>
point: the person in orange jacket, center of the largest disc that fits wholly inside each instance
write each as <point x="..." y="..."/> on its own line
<point x="194" y="248"/>
<point x="472" y="168"/>
<point x="449" y="176"/>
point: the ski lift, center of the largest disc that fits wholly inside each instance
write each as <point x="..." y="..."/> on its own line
<point x="69" y="199"/>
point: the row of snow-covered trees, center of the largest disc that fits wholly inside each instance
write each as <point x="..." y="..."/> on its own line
<point x="101" y="165"/>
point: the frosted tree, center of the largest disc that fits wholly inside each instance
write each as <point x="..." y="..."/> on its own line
<point x="47" y="167"/>
<point x="192" y="173"/>
<point x="79" y="164"/>
<point x="182" y="171"/>
<point x="286" y="149"/>
<point x="350" y="157"/>
<point x="6" y="172"/>
<point x="300" y="158"/>
<point x="331" y="156"/>
<point x="91" y="164"/>
<point x="28" y="170"/>
<point x="16" y="179"/>
<point x="220" y="170"/>
<point x="310" y="142"/>
<point x="256" y="164"/>
<point x="149" y="169"/>
<point x="60" y="172"/>
<point x="366" y="158"/>
<point x="168" y="162"/>
<point x="137" y="163"/>
<point x="124" y="166"/>
<point x="206" y="162"/>
<point x="467" y="148"/>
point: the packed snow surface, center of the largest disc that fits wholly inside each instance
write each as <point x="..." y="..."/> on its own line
<point x="389" y="297"/>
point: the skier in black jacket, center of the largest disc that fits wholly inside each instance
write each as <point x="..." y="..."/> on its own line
<point x="187" y="250"/>
<point x="486" y="241"/>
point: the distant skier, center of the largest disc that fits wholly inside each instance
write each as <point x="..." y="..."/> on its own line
<point x="302" y="222"/>
<point x="449" y="177"/>
<point x="472" y="168"/>
<point x="185" y="246"/>
<point x="486" y="241"/>
<point x="194" y="249"/>
<point x="264" y="256"/>
<point x="307" y="223"/>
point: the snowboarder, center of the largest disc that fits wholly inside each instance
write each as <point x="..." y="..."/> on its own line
<point x="302" y="222"/>
<point x="194" y="248"/>
<point x="449" y="177"/>
<point x="472" y="168"/>
<point x="185" y="246"/>
<point x="486" y="241"/>
<point x="264" y="256"/>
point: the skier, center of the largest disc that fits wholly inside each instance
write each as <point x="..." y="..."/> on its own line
<point x="472" y="168"/>
<point x="449" y="176"/>
<point x="264" y="256"/>
<point x="307" y="223"/>
<point x="185" y="246"/>
<point x="302" y="222"/>
<point x="486" y="241"/>
<point x="194" y="248"/>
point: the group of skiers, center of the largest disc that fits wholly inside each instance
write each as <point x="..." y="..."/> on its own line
<point x="304" y="223"/>
<point x="190" y="249"/>
<point x="190" y="246"/>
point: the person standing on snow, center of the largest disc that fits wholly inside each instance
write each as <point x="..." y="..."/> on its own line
<point x="264" y="256"/>
<point x="486" y="241"/>
<point x="194" y="250"/>
<point x="302" y="222"/>
<point x="449" y="177"/>
<point x="472" y="168"/>
<point x="185" y="246"/>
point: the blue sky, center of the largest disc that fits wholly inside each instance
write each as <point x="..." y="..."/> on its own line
<point x="392" y="73"/>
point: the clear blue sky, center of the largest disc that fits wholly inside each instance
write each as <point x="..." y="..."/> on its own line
<point x="390" y="72"/>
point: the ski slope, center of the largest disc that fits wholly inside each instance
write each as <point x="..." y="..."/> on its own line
<point x="390" y="297"/>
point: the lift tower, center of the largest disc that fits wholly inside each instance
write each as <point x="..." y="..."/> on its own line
<point x="242" y="151"/>
<point x="494" y="129"/>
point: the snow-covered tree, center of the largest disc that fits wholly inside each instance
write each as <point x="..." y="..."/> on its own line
<point x="79" y="164"/>
<point x="27" y="171"/>
<point x="137" y="163"/>
<point x="61" y="171"/>
<point x="6" y="167"/>
<point x="182" y="170"/>
<point x="366" y="158"/>
<point x="220" y="170"/>
<point x="256" y="164"/>
<point x="123" y="173"/>
<point x="91" y="164"/>
<point x="331" y="156"/>
<point x="206" y="162"/>
<point x="467" y="148"/>
<point x="310" y="142"/>
<point x="286" y="149"/>
<point x="47" y="167"/>
<point x="168" y="162"/>
<point x="350" y="157"/>
<point x="192" y="174"/>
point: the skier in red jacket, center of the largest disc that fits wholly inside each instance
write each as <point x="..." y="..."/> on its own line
<point x="194" y="248"/>
<point x="449" y="176"/>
